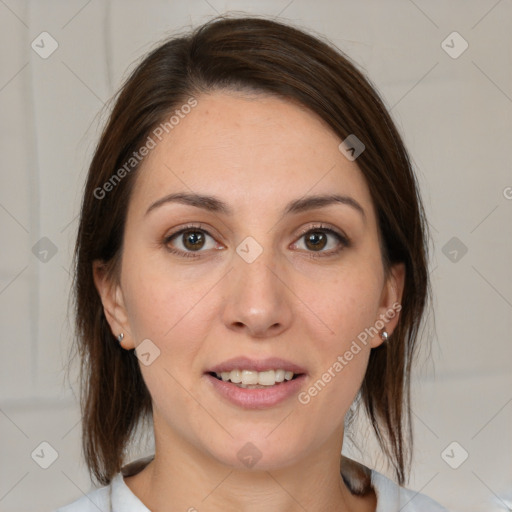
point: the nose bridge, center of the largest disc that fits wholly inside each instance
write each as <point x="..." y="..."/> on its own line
<point x="256" y="264"/>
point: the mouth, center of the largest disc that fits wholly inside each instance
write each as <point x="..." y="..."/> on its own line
<point x="249" y="379"/>
<point x="256" y="384"/>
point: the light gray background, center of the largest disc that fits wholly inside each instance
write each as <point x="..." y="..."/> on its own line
<point x="455" y="114"/>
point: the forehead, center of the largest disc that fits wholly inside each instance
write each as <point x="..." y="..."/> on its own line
<point x="245" y="148"/>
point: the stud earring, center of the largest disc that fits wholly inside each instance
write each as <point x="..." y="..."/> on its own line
<point x="120" y="338"/>
<point x="384" y="336"/>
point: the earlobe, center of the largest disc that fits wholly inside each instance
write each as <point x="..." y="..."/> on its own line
<point x="389" y="310"/>
<point x="113" y="304"/>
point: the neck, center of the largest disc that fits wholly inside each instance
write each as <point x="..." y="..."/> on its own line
<point x="191" y="481"/>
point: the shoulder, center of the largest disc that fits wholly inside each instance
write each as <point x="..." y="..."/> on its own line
<point x="98" y="499"/>
<point x="116" y="496"/>
<point x="391" y="497"/>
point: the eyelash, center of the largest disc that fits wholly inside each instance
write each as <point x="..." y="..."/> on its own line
<point x="343" y="240"/>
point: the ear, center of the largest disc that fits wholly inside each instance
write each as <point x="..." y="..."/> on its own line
<point x="112" y="299"/>
<point x="390" y="302"/>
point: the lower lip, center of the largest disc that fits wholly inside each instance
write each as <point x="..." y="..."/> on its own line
<point x="258" y="398"/>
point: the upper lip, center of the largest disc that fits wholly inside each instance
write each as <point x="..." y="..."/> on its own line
<point x="257" y="365"/>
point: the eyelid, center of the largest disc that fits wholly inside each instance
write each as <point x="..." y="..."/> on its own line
<point x="190" y="227"/>
<point x="327" y="227"/>
<point x="319" y="226"/>
<point x="343" y="241"/>
<point x="199" y="226"/>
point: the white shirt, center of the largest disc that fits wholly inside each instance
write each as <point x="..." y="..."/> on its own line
<point x="118" y="497"/>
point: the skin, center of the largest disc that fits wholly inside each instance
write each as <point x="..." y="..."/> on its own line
<point x="256" y="153"/>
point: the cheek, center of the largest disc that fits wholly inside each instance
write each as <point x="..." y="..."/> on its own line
<point x="159" y="302"/>
<point x="167" y="312"/>
<point x="345" y="304"/>
<point x="341" y="358"/>
<point x="345" y="313"/>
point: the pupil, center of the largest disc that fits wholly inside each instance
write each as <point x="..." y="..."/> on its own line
<point x="314" y="238"/>
<point x="194" y="240"/>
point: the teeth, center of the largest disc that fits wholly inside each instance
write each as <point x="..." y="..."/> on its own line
<point x="267" y="378"/>
<point x="251" y="378"/>
<point x="280" y="375"/>
<point x="235" y="376"/>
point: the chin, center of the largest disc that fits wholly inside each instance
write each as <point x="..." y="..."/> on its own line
<point x="256" y="453"/>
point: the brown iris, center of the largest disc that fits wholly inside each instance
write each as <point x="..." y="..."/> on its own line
<point x="317" y="239"/>
<point x="193" y="240"/>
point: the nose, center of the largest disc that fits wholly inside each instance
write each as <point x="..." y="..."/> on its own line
<point x="258" y="300"/>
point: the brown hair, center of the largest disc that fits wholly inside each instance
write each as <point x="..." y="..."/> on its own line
<point x="266" y="56"/>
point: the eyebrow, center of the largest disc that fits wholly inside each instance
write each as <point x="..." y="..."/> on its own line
<point x="212" y="204"/>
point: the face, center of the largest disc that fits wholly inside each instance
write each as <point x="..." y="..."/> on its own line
<point x="256" y="270"/>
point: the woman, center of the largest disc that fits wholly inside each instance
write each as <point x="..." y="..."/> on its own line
<point x="251" y="261"/>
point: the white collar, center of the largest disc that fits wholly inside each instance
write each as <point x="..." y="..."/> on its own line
<point x="123" y="499"/>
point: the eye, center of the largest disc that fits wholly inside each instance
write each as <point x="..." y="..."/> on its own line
<point x="317" y="238"/>
<point x="189" y="240"/>
<point x="192" y="240"/>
